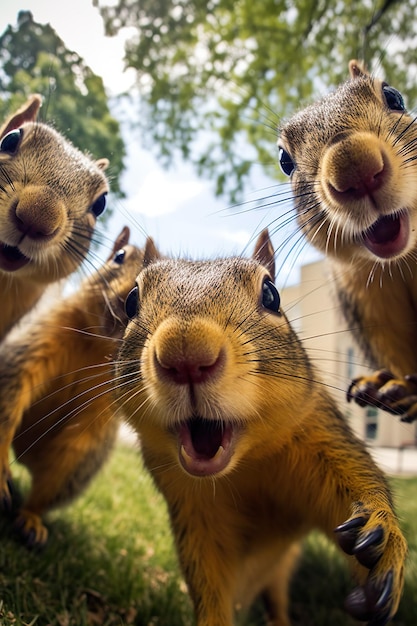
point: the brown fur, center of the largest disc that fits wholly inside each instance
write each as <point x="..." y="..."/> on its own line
<point x="353" y="160"/>
<point x="245" y="444"/>
<point x="54" y="394"/>
<point x="47" y="190"/>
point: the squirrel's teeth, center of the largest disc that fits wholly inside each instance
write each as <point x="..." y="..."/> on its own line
<point x="219" y="452"/>
<point x="189" y="459"/>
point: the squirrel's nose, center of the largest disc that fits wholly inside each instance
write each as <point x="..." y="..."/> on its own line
<point x="355" y="167"/>
<point x="194" y="368"/>
<point x="38" y="213"/>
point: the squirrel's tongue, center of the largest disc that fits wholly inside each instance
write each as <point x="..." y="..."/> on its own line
<point x="205" y="446"/>
<point x="388" y="236"/>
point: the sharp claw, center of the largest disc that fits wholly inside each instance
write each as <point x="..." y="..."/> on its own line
<point x="349" y="395"/>
<point x="348" y="532"/>
<point x="386" y="592"/>
<point x="381" y="603"/>
<point x="364" y="605"/>
<point x="364" y="549"/>
<point x="354" y="522"/>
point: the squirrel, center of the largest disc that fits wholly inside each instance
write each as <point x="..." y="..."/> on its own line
<point x="50" y="197"/>
<point x="351" y="157"/>
<point x="246" y="445"/>
<point x="56" y="406"/>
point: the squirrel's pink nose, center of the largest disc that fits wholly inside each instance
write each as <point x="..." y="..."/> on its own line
<point x="195" y="368"/>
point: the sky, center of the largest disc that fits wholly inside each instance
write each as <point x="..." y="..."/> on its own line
<point x="178" y="209"/>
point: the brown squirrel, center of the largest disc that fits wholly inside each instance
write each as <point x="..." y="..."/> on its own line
<point x="248" y="448"/>
<point x="56" y="406"/>
<point x="351" y="161"/>
<point x="50" y="197"/>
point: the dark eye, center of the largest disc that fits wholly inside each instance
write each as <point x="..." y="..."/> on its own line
<point x="270" y="296"/>
<point x="286" y="163"/>
<point x="11" y="141"/>
<point x="99" y="205"/>
<point x="119" y="257"/>
<point x="393" y="98"/>
<point x="132" y="302"/>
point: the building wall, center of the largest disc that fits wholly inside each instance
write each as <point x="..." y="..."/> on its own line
<point x="317" y="318"/>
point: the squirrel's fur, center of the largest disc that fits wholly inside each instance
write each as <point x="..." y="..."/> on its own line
<point x="244" y="442"/>
<point x="50" y="195"/>
<point x="56" y="377"/>
<point x="351" y="160"/>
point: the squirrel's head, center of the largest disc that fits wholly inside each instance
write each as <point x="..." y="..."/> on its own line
<point x="105" y="291"/>
<point x="208" y="351"/>
<point x="349" y="157"/>
<point x="50" y="197"/>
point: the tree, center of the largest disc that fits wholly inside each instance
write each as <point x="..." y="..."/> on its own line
<point x="35" y="60"/>
<point x="236" y="67"/>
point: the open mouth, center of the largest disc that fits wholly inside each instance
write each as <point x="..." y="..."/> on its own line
<point x="11" y="259"/>
<point x="205" y="446"/>
<point x="388" y="236"/>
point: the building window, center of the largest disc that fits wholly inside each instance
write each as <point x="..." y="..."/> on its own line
<point x="371" y="423"/>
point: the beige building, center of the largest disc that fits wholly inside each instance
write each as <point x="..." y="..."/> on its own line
<point x="316" y="316"/>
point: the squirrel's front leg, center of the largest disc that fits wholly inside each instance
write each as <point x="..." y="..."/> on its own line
<point x="371" y="533"/>
<point x="208" y="565"/>
<point x="9" y="422"/>
<point x="10" y="417"/>
<point x="21" y="377"/>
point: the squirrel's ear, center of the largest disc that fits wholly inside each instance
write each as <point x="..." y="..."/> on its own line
<point x="357" y="69"/>
<point x="103" y="164"/>
<point x="28" y="112"/>
<point x="264" y="252"/>
<point x="122" y="240"/>
<point x="151" y="252"/>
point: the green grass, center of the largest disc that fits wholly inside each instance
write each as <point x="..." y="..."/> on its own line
<point x="110" y="561"/>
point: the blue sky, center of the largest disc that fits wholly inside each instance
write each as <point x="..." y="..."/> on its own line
<point x="175" y="207"/>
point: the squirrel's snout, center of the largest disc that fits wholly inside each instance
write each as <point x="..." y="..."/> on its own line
<point x="190" y="355"/>
<point x="38" y="213"/>
<point x="355" y="167"/>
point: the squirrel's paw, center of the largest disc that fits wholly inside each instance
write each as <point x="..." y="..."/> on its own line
<point x="365" y="390"/>
<point x="382" y="390"/>
<point x="378" y="544"/>
<point x="31" y="530"/>
<point x="406" y="405"/>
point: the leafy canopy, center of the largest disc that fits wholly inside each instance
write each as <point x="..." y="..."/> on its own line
<point x="236" y="66"/>
<point x="33" y="59"/>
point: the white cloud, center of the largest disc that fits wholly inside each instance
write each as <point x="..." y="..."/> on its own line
<point x="158" y="194"/>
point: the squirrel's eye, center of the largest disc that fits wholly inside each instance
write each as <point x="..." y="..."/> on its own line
<point x="119" y="257"/>
<point x="286" y="163"/>
<point x="99" y="205"/>
<point x="132" y="302"/>
<point x="393" y="98"/>
<point x="270" y="296"/>
<point x="11" y="141"/>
